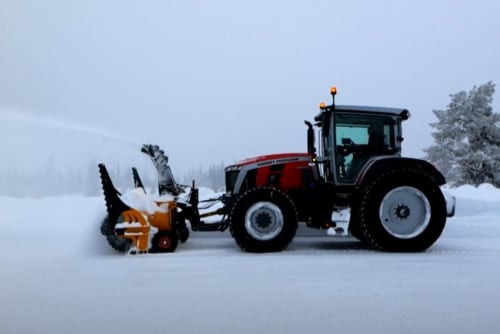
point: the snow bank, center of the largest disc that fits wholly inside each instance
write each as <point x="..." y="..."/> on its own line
<point x="59" y="273"/>
<point x="484" y="192"/>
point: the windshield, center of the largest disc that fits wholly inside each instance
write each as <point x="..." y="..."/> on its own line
<point x="356" y="138"/>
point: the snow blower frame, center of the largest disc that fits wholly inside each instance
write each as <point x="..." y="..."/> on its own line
<point x="159" y="226"/>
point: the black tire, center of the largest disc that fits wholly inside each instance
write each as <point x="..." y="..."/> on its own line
<point x="402" y="210"/>
<point x="354" y="224"/>
<point x="355" y="229"/>
<point x="119" y="244"/>
<point x="164" y="242"/>
<point x="263" y="220"/>
<point x="183" y="234"/>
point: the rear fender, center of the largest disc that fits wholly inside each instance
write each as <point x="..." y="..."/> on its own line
<point x="378" y="165"/>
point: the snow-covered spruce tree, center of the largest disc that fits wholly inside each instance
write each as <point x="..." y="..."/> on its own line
<point x="467" y="138"/>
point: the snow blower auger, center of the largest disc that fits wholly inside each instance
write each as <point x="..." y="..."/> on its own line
<point x="142" y="223"/>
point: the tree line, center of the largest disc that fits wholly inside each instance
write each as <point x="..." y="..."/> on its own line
<point x="49" y="179"/>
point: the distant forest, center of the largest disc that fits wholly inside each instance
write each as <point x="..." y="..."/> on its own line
<point x="53" y="180"/>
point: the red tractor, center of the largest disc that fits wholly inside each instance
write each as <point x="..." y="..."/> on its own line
<point x="388" y="201"/>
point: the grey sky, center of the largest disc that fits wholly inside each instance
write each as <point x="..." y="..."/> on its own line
<point x="224" y="80"/>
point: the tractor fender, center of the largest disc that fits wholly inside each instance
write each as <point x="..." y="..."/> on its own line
<point x="377" y="165"/>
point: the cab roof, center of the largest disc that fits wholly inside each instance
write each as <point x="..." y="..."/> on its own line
<point x="398" y="112"/>
<point x="372" y="109"/>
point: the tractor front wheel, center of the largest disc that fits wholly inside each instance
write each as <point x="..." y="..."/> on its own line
<point x="263" y="219"/>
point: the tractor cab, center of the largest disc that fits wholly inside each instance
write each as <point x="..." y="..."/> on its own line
<point x="351" y="137"/>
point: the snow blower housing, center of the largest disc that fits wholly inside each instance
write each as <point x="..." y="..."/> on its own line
<point x="157" y="223"/>
<point x="357" y="184"/>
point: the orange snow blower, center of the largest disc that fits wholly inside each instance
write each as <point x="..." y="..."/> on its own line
<point x="146" y="224"/>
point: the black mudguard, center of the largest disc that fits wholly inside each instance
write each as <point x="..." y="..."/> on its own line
<point x="377" y="165"/>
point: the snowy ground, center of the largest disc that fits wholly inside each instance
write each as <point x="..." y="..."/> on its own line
<point x="58" y="275"/>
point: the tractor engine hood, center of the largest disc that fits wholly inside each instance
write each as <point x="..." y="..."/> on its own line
<point x="271" y="159"/>
<point x="282" y="170"/>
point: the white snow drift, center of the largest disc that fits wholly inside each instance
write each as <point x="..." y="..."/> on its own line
<point x="58" y="275"/>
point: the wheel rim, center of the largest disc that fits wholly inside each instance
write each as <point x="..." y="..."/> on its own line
<point x="164" y="242"/>
<point x="405" y="212"/>
<point x="264" y="220"/>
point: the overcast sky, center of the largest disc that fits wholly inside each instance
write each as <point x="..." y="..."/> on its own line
<point x="214" y="81"/>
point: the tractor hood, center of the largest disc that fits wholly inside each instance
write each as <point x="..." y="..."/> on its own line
<point x="283" y="170"/>
<point x="271" y="159"/>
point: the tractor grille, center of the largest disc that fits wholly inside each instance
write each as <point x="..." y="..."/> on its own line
<point x="231" y="177"/>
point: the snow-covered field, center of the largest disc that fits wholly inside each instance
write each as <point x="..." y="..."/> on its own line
<point x="58" y="275"/>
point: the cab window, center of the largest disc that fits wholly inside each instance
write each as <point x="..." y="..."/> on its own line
<point x="357" y="138"/>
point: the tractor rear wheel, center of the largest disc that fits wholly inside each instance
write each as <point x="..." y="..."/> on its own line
<point x="355" y="229"/>
<point x="402" y="210"/>
<point x="263" y="219"/>
<point x="164" y="242"/>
